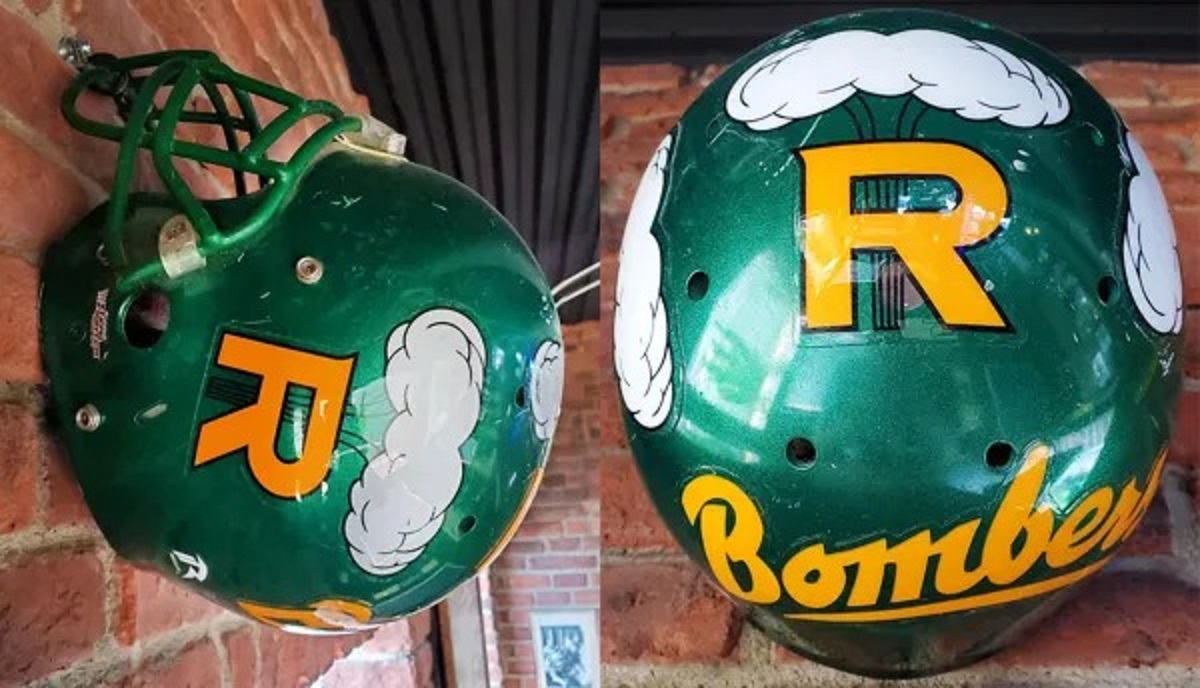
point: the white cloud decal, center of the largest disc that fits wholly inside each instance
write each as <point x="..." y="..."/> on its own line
<point x="546" y="388"/>
<point x="975" y="79"/>
<point x="642" y="356"/>
<point x="1149" y="250"/>
<point x="434" y="378"/>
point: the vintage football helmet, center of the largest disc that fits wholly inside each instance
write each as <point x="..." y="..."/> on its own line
<point x="897" y="336"/>
<point x="324" y="403"/>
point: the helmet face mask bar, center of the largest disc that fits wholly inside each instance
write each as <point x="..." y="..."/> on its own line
<point x="323" y="403"/>
<point x="135" y="82"/>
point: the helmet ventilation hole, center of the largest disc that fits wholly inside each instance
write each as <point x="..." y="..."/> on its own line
<point x="520" y="397"/>
<point x="999" y="454"/>
<point x="1106" y="289"/>
<point x="466" y="525"/>
<point x="801" y="452"/>
<point x="146" y="318"/>
<point x="697" y="285"/>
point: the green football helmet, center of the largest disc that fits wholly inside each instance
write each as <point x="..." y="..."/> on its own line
<point x="897" y="336"/>
<point x="325" y="402"/>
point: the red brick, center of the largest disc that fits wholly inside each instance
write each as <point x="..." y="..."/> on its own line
<point x="177" y="23"/>
<point x="518" y="546"/>
<point x="570" y="580"/>
<point x="650" y="105"/>
<point x="563" y="562"/>
<point x="316" y="23"/>
<point x="634" y="78"/>
<point x="196" y="666"/>
<point x="1191" y="344"/>
<point x="1185" y="440"/>
<point x="1117" y="620"/>
<point x="51" y="614"/>
<point x="1159" y="113"/>
<point x="394" y="638"/>
<point x="39" y="200"/>
<point x="112" y="26"/>
<point x="664" y="613"/>
<point x="257" y="15"/>
<point x="243" y="660"/>
<point x="521" y="582"/>
<point x="423" y="663"/>
<point x="504" y="599"/>
<point x="20" y="447"/>
<point x="627" y="517"/>
<point x="35" y="101"/>
<point x="151" y="604"/>
<point x="19" y="357"/>
<point x="551" y="598"/>
<point x="295" y="660"/>
<point x="1180" y="189"/>
<point x="580" y="526"/>
<point x="589" y="598"/>
<point x="234" y="38"/>
<point x="316" y="82"/>
<point x="401" y="674"/>
<point x="1153" y="534"/>
<point x="65" y="499"/>
<point x="1144" y="81"/>
<point x="622" y="162"/>
<point x="1171" y="147"/>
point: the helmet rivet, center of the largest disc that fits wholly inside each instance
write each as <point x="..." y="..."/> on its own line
<point x="309" y="270"/>
<point x="88" y="418"/>
<point x="75" y="51"/>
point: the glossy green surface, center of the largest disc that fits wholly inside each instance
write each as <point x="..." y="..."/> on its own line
<point x="901" y="420"/>
<point x="395" y="239"/>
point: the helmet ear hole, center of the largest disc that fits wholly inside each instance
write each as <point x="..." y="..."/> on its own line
<point x="145" y="319"/>
<point x="466" y="525"/>
<point x="1106" y="289"/>
<point x="697" y="285"/>
<point x="801" y="452"/>
<point x="999" y="454"/>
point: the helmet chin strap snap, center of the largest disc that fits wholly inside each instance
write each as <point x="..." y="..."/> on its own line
<point x="179" y="247"/>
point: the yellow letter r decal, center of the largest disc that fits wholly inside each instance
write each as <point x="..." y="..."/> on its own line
<point x="254" y="427"/>
<point x="927" y="241"/>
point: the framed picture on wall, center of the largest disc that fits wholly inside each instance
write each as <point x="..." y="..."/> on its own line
<point x="566" y="647"/>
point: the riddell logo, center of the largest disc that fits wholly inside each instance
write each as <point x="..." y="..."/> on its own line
<point x="98" y="332"/>
<point x="1021" y="533"/>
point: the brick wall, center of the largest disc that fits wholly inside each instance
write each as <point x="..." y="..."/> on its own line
<point x="69" y="611"/>
<point x="553" y="562"/>
<point x="663" y="623"/>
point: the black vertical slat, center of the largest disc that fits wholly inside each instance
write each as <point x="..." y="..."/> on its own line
<point x="504" y="37"/>
<point x="426" y="84"/>
<point x="478" y="106"/>
<point x="446" y="25"/>
<point x="397" y="64"/>
<point x="528" y="33"/>
<point x="581" y="79"/>
<point x="562" y="17"/>
<point x="577" y="252"/>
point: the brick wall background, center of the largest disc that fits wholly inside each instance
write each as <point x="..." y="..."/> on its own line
<point x="553" y="562"/>
<point x="665" y="625"/>
<point x="71" y="614"/>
